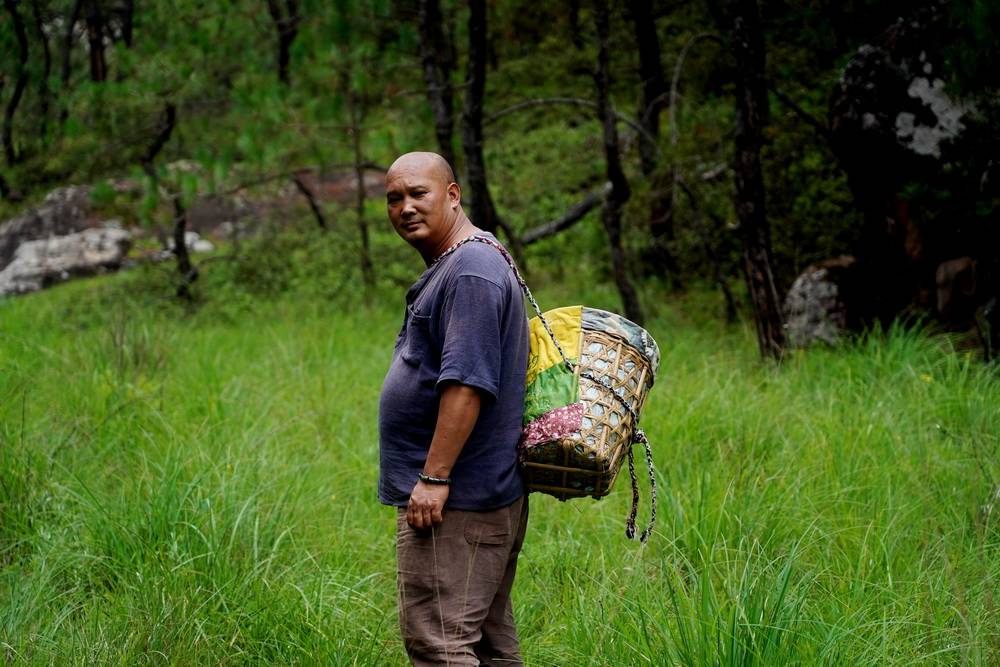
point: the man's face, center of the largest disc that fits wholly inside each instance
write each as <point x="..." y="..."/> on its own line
<point x="419" y="202"/>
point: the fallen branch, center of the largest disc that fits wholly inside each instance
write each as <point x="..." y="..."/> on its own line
<point x="572" y="101"/>
<point x="808" y="118"/>
<point x="569" y="218"/>
<point x="313" y="204"/>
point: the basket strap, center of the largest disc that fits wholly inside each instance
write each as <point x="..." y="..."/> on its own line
<point x="520" y="281"/>
<point x="640" y="436"/>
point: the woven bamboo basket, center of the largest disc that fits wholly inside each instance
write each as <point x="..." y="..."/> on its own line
<point x="611" y="373"/>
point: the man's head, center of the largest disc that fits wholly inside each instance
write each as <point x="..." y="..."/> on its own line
<point x="423" y="200"/>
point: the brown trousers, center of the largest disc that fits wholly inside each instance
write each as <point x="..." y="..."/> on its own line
<point x="454" y="586"/>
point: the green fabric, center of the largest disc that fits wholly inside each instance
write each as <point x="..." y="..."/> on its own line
<point x="554" y="387"/>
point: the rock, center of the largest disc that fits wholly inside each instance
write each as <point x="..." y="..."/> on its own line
<point x="63" y="211"/>
<point x="40" y="263"/>
<point x="202" y="245"/>
<point x="955" y="280"/>
<point x="817" y="307"/>
<point x="194" y="243"/>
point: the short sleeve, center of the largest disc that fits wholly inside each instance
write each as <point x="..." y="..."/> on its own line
<point x="471" y="318"/>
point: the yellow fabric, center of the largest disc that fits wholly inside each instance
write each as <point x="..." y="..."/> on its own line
<point x="565" y="324"/>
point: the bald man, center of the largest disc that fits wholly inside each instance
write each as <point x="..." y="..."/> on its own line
<point x="449" y="422"/>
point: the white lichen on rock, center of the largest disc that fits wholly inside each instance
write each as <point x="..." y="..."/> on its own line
<point x="927" y="139"/>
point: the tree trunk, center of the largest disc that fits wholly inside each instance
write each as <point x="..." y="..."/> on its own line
<point x="573" y="17"/>
<point x="481" y="206"/>
<point x="43" y="84"/>
<point x="654" y="83"/>
<point x="286" y="23"/>
<point x="747" y="44"/>
<point x="620" y="191"/>
<point x="67" y="60"/>
<point x="127" y="14"/>
<point x="95" y="40"/>
<point x="658" y="259"/>
<point x="19" y="84"/>
<point x="188" y="272"/>
<point x="435" y="54"/>
<point x="367" y="268"/>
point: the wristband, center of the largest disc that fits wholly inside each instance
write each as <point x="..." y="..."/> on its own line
<point x="427" y="479"/>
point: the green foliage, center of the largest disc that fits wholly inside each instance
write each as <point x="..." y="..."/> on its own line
<point x="355" y="68"/>
<point x="204" y="492"/>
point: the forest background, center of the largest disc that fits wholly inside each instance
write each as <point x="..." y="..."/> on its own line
<point x="188" y="446"/>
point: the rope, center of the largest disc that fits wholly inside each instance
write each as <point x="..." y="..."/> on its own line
<point x="638" y="436"/>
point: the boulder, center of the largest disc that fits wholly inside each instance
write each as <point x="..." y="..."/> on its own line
<point x="40" y="263"/>
<point x="818" y="305"/>
<point x="63" y="211"/>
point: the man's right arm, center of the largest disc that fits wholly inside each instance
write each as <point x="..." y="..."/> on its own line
<point x="457" y="415"/>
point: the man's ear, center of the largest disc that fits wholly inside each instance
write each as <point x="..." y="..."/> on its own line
<point x="455" y="194"/>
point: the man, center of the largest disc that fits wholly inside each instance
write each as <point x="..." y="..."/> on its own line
<point x="449" y="421"/>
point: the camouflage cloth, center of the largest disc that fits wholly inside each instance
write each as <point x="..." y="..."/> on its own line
<point x="616" y="325"/>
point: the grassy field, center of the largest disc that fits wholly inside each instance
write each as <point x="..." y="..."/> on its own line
<point x="192" y="489"/>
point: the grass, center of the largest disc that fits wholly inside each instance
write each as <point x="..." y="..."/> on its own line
<point x="189" y="489"/>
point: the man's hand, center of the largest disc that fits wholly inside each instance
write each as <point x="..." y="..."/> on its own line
<point x="426" y="508"/>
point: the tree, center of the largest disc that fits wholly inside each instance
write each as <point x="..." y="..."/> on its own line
<point x="654" y="83"/>
<point x="96" y="29"/>
<point x="355" y="28"/>
<point x="652" y="101"/>
<point x="286" y="20"/>
<point x="21" y="81"/>
<point x="187" y="271"/>
<point x="43" y="81"/>
<point x="620" y="192"/>
<point x="741" y="20"/>
<point x="66" y="71"/>
<point x="356" y="108"/>
<point x="125" y="14"/>
<point x="483" y="212"/>
<point x="435" y="55"/>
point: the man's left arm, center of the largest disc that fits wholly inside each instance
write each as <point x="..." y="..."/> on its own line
<point x="457" y="415"/>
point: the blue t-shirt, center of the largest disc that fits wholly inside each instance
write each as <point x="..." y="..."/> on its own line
<point x="464" y="323"/>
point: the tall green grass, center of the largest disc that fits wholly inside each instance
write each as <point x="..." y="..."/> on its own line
<point x="189" y="488"/>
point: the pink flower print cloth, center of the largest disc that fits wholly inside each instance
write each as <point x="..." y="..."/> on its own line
<point x="554" y="424"/>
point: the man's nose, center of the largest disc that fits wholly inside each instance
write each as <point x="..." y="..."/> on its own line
<point x="408" y="209"/>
